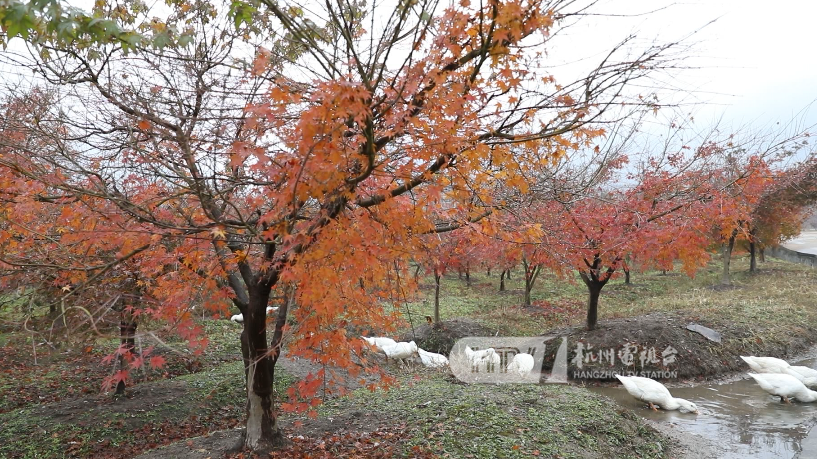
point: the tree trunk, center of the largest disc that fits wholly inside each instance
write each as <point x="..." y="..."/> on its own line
<point x="502" y="281"/>
<point x="467" y="276"/>
<point x="437" y="277"/>
<point x="752" y="259"/>
<point x="627" y="270"/>
<point x="727" y="258"/>
<point x="528" y="288"/>
<point x="531" y="273"/>
<point x="127" y="341"/>
<point x="489" y="272"/>
<point x="594" y="292"/>
<point x="509" y="273"/>
<point x="595" y="280"/>
<point x="762" y="253"/>
<point x="263" y="433"/>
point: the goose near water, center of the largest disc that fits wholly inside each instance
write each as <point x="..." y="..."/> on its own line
<point x="784" y="386"/>
<point x="766" y="364"/>
<point x="774" y="365"/>
<point x="655" y="394"/>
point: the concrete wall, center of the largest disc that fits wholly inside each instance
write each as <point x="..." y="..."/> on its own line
<point x="790" y="255"/>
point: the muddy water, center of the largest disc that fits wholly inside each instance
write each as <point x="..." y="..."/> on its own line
<point x="740" y="418"/>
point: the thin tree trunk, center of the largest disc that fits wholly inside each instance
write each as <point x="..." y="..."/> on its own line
<point x="727" y="258"/>
<point x="531" y="273"/>
<point x="762" y="253"/>
<point x="502" y="281"/>
<point x="263" y="433"/>
<point x="437" y="277"/>
<point x="752" y="258"/>
<point x="528" y="287"/>
<point x="626" y="268"/>
<point x="509" y="273"/>
<point x="127" y="340"/>
<point x="467" y="276"/>
<point x="489" y="271"/>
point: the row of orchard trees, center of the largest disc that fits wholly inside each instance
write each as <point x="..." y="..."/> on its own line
<point x="233" y="154"/>
<point x="608" y="213"/>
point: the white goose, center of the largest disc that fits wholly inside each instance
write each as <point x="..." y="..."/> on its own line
<point x="784" y="386"/>
<point x="809" y="374"/>
<point x="239" y="318"/>
<point x="379" y="342"/>
<point x="522" y="364"/>
<point x="766" y="364"/>
<point x="779" y="366"/>
<point x="432" y="359"/>
<point x="655" y="394"/>
<point x="485" y="359"/>
<point x="401" y="350"/>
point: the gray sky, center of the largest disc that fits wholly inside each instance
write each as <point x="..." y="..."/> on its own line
<point x="753" y="65"/>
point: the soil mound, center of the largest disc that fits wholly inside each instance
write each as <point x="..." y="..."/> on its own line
<point x="660" y="346"/>
<point x="440" y="337"/>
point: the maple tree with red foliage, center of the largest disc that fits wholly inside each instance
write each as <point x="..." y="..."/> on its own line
<point x="306" y="180"/>
<point x="654" y="209"/>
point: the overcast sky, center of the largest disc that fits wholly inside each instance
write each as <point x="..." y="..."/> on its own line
<point x="754" y="64"/>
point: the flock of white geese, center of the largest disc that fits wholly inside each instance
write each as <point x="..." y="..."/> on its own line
<point x="773" y="375"/>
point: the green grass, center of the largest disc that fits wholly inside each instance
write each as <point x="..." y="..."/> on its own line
<point x="508" y="421"/>
<point x="781" y="293"/>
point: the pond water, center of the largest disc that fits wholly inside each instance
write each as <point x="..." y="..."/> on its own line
<point x="739" y="417"/>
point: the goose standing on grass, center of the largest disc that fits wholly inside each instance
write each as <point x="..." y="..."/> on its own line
<point x="784" y="386"/>
<point x="655" y="394"/>
<point x="485" y="358"/>
<point x="431" y="359"/>
<point x="379" y="342"/>
<point x="239" y="318"/>
<point x="401" y="350"/>
<point x="522" y="364"/>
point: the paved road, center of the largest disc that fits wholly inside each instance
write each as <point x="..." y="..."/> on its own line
<point x="806" y="242"/>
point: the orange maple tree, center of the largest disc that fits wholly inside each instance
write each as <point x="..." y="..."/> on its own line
<point x="314" y="191"/>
